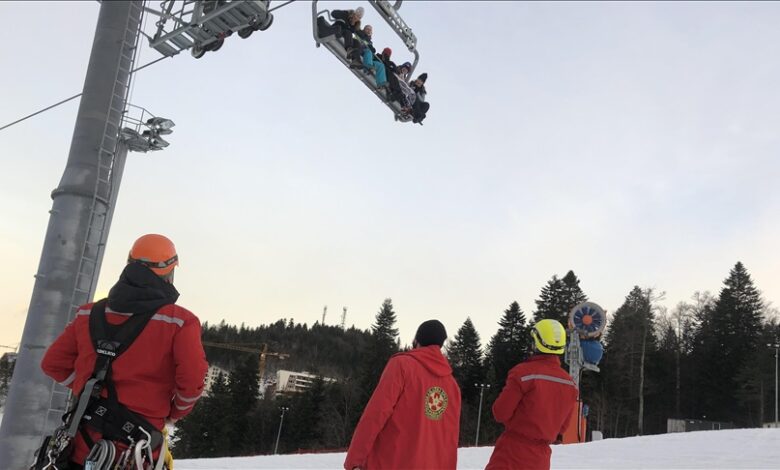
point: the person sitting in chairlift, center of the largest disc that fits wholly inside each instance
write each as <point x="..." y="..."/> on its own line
<point x="420" y="106"/>
<point x="391" y="71"/>
<point x="347" y="22"/>
<point x="408" y="95"/>
<point x="369" y="61"/>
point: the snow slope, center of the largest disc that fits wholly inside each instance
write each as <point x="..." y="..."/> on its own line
<point x="733" y="449"/>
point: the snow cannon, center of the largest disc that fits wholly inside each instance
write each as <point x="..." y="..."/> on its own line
<point x="588" y="319"/>
<point x="586" y="323"/>
<point x="592" y="351"/>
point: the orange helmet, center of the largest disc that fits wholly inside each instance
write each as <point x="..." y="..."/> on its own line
<point x="155" y="252"/>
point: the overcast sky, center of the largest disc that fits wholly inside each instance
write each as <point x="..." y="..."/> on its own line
<point x="635" y="143"/>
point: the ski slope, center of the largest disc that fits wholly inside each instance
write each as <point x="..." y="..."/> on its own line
<point x="733" y="449"/>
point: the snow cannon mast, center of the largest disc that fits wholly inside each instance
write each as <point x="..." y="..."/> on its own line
<point x="586" y="324"/>
<point x="583" y="352"/>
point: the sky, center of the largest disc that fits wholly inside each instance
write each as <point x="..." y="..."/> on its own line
<point x="635" y="143"/>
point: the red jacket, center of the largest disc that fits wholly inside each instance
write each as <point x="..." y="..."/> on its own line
<point x="412" y="419"/>
<point x="535" y="406"/>
<point x="161" y="375"/>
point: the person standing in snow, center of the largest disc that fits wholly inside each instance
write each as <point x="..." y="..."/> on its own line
<point x="536" y="404"/>
<point x="160" y="376"/>
<point x="412" y="420"/>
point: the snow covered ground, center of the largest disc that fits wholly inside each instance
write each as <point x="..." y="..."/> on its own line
<point x="734" y="449"/>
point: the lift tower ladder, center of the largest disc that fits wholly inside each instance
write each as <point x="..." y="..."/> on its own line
<point x="103" y="196"/>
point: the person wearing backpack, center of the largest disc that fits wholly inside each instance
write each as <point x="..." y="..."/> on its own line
<point x="135" y="359"/>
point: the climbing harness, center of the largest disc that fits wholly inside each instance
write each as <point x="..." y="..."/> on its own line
<point x="114" y="421"/>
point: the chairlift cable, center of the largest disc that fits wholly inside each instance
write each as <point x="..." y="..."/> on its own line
<point x="280" y="6"/>
<point x="72" y="97"/>
<point x="41" y="111"/>
<point x="140" y="50"/>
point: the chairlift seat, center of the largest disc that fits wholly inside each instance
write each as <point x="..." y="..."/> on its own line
<point x="336" y="47"/>
<point x="196" y="27"/>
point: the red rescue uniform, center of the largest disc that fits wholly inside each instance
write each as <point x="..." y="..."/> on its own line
<point x="413" y="418"/>
<point x="535" y="406"/>
<point x="161" y="375"/>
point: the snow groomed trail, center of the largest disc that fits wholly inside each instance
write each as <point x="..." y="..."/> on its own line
<point x="733" y="449"/>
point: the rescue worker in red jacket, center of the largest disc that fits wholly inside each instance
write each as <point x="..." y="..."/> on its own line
<point x="413" y="418"/>
<point x="161" y="375"/>
<point x="536" y="404"/>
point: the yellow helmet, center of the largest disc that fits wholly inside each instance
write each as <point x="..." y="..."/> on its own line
<point x="549" y="336"/>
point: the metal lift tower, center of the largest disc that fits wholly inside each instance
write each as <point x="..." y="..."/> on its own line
<point x="85" y="199"/>
<point x="76" y="235"/>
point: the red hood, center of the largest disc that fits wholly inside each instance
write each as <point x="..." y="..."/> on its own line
<point x="431" y="358"/>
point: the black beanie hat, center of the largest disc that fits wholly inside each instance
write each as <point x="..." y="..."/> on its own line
<point x="423" y="77"/>
<point x="431" y="332"/>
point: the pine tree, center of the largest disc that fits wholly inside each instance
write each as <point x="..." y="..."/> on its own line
<point x="511" y="343"/>
<point x="558" y="297"/>
<point x="728" y="340"/>
<point x="630" y="341"/>
<point x="204" y="432"/>
<point x="383" y="344"/>
<point x="243" y="389"/>
<point x="304" y="420"/>
<point x="6" y="372"/>
<point x="384" y="330"/>
<point x="465" y="356"/>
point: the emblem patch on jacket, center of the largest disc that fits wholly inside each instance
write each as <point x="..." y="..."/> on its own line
<point x="435" y="403"/>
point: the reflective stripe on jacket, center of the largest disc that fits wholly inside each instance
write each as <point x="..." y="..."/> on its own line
<point x="161" y="375"/>
<point x="535" y="406"/>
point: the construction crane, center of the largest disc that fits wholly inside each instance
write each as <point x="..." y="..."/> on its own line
<point x="263" y="353"/>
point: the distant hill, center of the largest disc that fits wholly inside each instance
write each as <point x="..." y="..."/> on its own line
<point x="326" y="350"/>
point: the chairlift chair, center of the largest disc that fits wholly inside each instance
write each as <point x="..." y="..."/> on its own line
<point x="203" y="25"/>
<point x="390" y="14"/>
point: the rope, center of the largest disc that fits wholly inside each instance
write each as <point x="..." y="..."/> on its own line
<point x="101" y="457"/>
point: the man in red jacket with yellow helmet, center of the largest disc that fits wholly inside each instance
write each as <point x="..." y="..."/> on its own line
<point x="413" y="417"/>
<point x="160" y="376"/>
<point x="535" y="405"/>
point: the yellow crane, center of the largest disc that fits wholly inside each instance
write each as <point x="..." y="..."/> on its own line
<point x="263" y="353"/>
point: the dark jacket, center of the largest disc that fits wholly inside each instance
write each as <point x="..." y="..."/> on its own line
<point x="420" y="91"/>
<point x="389" y="64"/>
<point x="340" y="15"/>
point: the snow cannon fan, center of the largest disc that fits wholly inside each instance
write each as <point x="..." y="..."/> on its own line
<point x="589" y="320"/>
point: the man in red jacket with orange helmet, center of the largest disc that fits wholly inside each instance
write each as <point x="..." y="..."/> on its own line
<point x="535" y="405"/>
<point x="160" y="375"/>
<point x="413" y="418"/>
